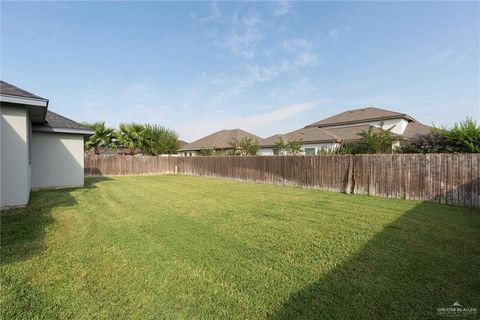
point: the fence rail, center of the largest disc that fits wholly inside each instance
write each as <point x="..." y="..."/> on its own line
<point x="444" y="178"/>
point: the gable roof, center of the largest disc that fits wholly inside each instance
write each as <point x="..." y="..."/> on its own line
<point x="303" y="135"/>
<point x="57" y="123"/>
<point x="182" y="143"/>
<point x="11" y="90"/>
<point x="360" y="115"/>
<point x="220" y="140"/>
<point x="414" y="128"/>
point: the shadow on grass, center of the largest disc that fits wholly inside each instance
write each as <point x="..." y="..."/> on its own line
<point x="23" y="230"/>
<point x="427" y="259"/>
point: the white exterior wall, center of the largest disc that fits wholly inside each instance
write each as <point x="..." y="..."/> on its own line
<point x="317" y="146"/>
<point x="57" y="160"/>
<point x="400" y="125"/>
<point x="15" y="167"/>
<point x="266" y="152"/>
<point x="188" y="153"/>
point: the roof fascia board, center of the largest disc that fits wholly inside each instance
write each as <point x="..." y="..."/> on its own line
<point x="23" y="100"/>
<point x="335" y="124"/>
<point x="85" y="132"/>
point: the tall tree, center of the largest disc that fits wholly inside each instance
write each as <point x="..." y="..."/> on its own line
<point x="104" y="137"/>
<point x="159" y="140"/>
<point x="130" y="136"/>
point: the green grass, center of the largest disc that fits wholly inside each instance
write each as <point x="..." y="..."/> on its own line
<point x="155" y="247"/>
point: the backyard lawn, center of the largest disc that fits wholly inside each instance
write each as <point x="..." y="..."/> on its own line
<point x="153" y="247"/>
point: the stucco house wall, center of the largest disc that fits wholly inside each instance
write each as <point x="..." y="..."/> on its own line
<point x="14" y="156"/>
<point x="57" y="160"/>
<point x="316" y="146"/>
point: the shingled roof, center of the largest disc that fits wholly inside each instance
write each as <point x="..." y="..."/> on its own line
<point x="414" y="128"/>
<point x="220" y="140"/>
<point x="11" y="90"/>
<point x="303" y="135"/>
<point x="359" y="115"/>
<point x="57" y="123"/>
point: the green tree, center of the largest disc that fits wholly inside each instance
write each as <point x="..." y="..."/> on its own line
<point x="158" y="140"/>
<point x="245" y="146"/>
<point x="464" y="137"/>
<point x="293" y="148"/>
<point x="290" y="147"/>
<point x="379" y="140"/>
<point x="206" y="151"/>
<point x="130" y="136"/>
<point x="280" y="147"/>
<point x="104" y="137"/>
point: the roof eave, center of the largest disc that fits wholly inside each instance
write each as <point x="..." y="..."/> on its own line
<point x="24" y="100"/>
<point x="335" y="124"/>
<point x="84" y="132"/>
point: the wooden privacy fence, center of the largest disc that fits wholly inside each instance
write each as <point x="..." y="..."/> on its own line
<point x="444" y="178"/>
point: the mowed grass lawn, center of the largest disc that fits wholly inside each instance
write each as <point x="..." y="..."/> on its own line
<point x="155" y="247"/>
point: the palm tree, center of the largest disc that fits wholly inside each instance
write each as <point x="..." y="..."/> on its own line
<point x="104" y="137"/>
<point x="130" y="136"/>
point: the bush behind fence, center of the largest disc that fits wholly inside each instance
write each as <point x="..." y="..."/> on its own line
<point x="443" y="178"/>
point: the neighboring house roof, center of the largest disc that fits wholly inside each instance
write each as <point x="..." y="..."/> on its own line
<point x="219" y="140"/>
<point x="9" y="89"/>
<point x="57" y="123"/>
<point x="349" y="133"/>
<point x="414" y="128"/>
<point x="346" y="126"/>
<point x="270" y="141"/>
<point x="311" y="134"/>
<point x="360" y="115"/>
<point x="182" y="143"/>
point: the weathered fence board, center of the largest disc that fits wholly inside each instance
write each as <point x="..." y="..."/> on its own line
<point x="443" y="178"/>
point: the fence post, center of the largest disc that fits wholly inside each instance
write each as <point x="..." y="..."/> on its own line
<point x="351" y="180"/>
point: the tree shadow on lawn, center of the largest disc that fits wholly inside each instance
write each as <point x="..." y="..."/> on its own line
<point x="23" y="230"/>
<point x="427" y="259"/>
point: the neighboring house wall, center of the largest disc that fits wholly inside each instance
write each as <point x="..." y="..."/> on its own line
<point x="306" y="148"/>
<point x="188" y="153"/>
<point x="400" y="125"/>
<point x="57" y="160"/>
<point x="266" y="152"/>
<point x="15" y="168"/>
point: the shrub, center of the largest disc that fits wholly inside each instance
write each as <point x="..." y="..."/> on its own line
<point x="463" y="137"/>
<point x="245" y="146"/>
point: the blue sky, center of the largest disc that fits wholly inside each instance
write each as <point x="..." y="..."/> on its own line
<point x="266" y="67"/>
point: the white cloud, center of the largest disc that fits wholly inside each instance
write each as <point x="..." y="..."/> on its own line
<point x="333" y="34"/>
<point x="442" y="56"/>
<point x="295" y="45"/>
<point x="303" y="55"/>
<point x="225" y="86"/>
<point x="138" y="102"/>
<point x="282" y="8"/>
<point x="213" y="15"/>
<point x="246" y="32"/>
<point x="252" y="123"/>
